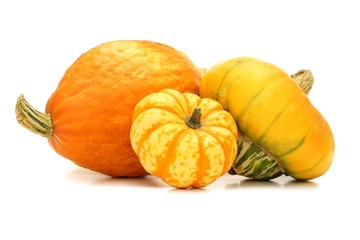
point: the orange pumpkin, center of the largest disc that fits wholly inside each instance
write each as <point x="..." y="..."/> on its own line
<point x="88" y="117"/>
<point x="185" y="140"/>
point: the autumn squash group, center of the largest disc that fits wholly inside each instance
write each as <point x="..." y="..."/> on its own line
<point x="130" y="108"/>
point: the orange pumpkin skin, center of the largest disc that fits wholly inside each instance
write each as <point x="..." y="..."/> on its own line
<point x="92" y="106"/>
<point x="185" y="140"/>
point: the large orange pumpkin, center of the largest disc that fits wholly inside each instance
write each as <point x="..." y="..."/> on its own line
<point x="88" y="117"/>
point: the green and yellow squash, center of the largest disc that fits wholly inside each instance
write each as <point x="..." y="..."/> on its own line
<point x="280" y="130"/>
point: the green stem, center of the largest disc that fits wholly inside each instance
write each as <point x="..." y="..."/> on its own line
<point x="33" y="120"/>
<point x="193" y="121"/>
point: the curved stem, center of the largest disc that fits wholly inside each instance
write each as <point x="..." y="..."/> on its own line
<point x="33" y="120"/>
<point x="193" y="121"/>
<point x="304" y="79"/>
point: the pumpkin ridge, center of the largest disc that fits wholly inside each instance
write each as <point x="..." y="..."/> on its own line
<point x="204" y="125"/>
<point x="222" y="144"/>
<point x="168" y="109"/>
<point x="308" y="169"/>
<point x="200" y="164"/>
<point x="188" y="103"/>
<point x="169" y="157"/>
<point x="248" y="105"/>
<point x="176" y="99"/>
<point x="238" y="62"/>
<point x="160" y="104"/>
<point x="164" y="158"/>
<point x="226" y="103"/>
<point x="267" y="130"/>
<point x="297" y="146"/>
<point x="207" y="113"/>
<point x="147" y="133"/>
<point x="270" y="125"/>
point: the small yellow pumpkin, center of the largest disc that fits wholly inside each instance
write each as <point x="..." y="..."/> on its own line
<point x="183" y="139"/>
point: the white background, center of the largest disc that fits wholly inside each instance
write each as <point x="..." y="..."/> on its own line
<point x="44" y="196"/>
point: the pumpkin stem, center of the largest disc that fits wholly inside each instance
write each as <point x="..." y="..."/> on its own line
<point x="304" y="79"/>
<point x="193" y="121"/>
<point x="33" y="120"/>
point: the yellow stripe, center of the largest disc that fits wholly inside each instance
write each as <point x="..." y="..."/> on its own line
<point x="214" y="154"/>
<point x="146" y="122"/>
<point x="182" y="172"/>
<point x="153" y="152"/>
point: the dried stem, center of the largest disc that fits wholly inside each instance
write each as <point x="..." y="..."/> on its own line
<point x="304" y="79"/>
<point x="33" y="120"/>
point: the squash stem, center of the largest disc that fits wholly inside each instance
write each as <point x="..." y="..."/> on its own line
<point x="304" y="79"/>
<point x="33" y="120"/>
<point x="193" y="121"/>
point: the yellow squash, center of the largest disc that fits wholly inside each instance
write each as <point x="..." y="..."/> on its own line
<point x="273" y="113"/>
<point x="183" y="139"/>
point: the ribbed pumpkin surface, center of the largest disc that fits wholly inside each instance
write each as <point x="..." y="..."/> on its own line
<point x="274" y="113"/>
<point x="181" y="155"/>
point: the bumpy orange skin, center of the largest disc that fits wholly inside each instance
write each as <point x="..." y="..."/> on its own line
<point x="179" y="154"/>
<point x="92" y="106"/>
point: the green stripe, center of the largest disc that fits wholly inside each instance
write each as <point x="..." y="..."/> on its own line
<point x="265" y="169"/>
<point x="249" y="103"/>
<point x="272" y="173"/>
<point x="254" y="163"/>
<point x="270" y="125"/>
<point x="251" y="150"/>
<point x="238" y="62"/>
<point x="300" y="143"/>
<point x="272" y="169"/>
<point x="240" y="148"/>
<point x="41" y="127"/>
<point x="246" y="170"/>
<point x="309" y="169"/>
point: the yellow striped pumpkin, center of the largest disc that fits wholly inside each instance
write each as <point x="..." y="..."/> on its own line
<point x="273" y="114"/>
<point x="183" y="139"/>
